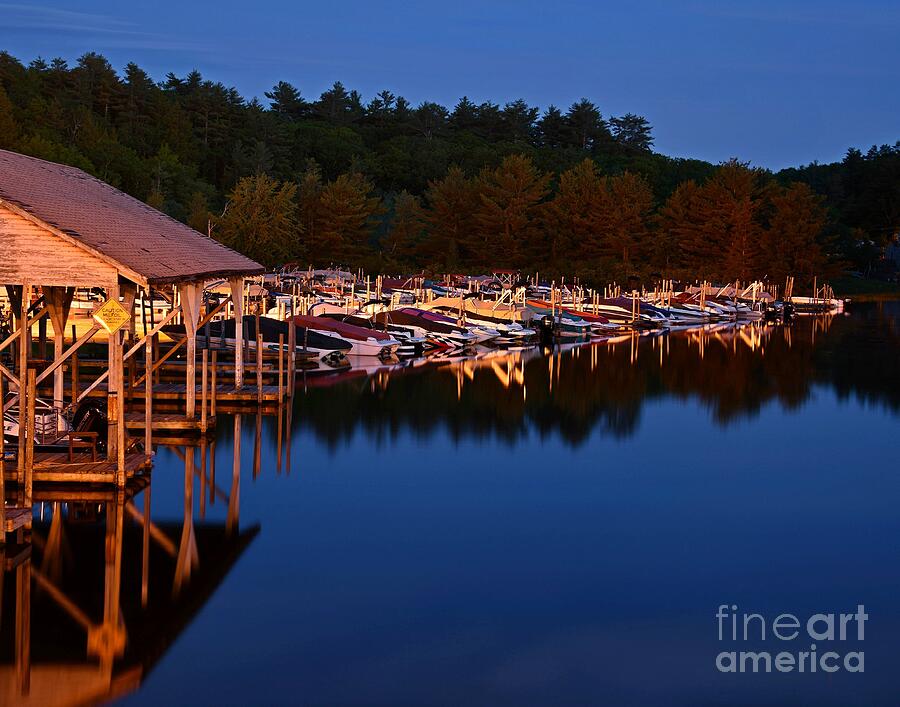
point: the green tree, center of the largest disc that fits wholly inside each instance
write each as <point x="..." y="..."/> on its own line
<point x="260" y="220"/>
<point x="9" y="129"/>
<point x="407" y="231"/>
<point x="632" y="131"/>
<point x="451" y="203"/>
<point x="508" y="215"/>
<point x="346" y="211"/>
<point x="575" y="216"/>
<point x="792" y="241"/>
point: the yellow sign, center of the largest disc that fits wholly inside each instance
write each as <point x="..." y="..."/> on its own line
<point x="112" y="316"/>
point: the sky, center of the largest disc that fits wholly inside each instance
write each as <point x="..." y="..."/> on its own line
<point x="773" y="83"/>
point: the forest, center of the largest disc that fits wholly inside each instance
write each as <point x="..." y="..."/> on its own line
<point x="393" y="187"/>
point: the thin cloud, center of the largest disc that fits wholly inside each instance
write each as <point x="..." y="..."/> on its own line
<point x="107" y="31"/>
<point x="42" y="17"/>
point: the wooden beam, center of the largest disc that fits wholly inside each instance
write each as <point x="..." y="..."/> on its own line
<point x="61" y="358"/>
<point x="178" y="344"/>
<point x="23" y="368"/>
<point x="237" y="299"/>
<point x="191" y="301"/>
<point x="58" y="301"/>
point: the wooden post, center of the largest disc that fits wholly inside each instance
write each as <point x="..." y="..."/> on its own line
<point x="58" y="301"/>
<point x="191" y="299"/>
<point x="2" y="489"/>
<point x="259" y="365"/>
<point x="114" y="363"/>
<point x="212" y="396"/>
<point x="23" y="376"/>
<point x="292" y="355"/>
<point x="29" y="448"/>
<point x="280" y="367"/>
<point x="74" y="365"/>
<point x="237" y="299"/>
<point x="112" y="413"/>
<point x="203" y="390"/>
<point x="148" y="399"/>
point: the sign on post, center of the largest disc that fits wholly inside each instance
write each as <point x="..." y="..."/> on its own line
<point x="112" y="316"/>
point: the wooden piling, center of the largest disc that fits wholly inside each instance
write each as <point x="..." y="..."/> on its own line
<point x="259" y="365"/>
<point x="2" y="479"/>
<point x="74" y="368"/>
<point x="280" y="367"/>
<point x="292" y="356"/>
<point x="212" y="396"/>
<point x="204" y="372"/>
<point x="29" y="447"/>
<point x="148" y="399"/>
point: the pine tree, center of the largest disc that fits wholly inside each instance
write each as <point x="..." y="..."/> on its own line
<point x="552" y="128"/>
<point x="286" y="101"/>
<point x="309" y="201"/>
<point x="632" y="132"/>
<point x="575" y="215"/>
<point x="586" y="127"/>
<point x="9" y="129"/>
<point x="406" y="232"/>
<point x="260" y="220"/>
<point x="625" y="227"/>
<point x="451" y="204"/>
<point x="792" y="239"/>
<point x="198" y="212"/>
<point x="345" y="220"/>
<point x="677" y="227"/>
<point x="508" y="215"/>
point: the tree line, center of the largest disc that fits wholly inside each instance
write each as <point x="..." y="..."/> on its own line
<point x="396" y="187"/>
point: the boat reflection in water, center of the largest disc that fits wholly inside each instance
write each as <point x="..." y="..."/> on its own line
<point x="101" y="591"/>
<point x="574" y="390"/>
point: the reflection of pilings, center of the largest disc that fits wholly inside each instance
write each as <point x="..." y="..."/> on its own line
<point x="110" y="640"/>
<point x="257" y="451"/>
<point x="202" y="478"/>
<point x="234" y="502"/>
<point x="287" y="441"/>
<point x="145" y="550"/>
<point x="280" y="432"/>
<point x="187" y="548"/>
<point x="23" y="627"/>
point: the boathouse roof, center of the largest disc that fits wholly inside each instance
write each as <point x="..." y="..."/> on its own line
<point x="143" y="244"/>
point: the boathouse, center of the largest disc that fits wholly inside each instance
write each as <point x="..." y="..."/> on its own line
<point x="62" y="229"/>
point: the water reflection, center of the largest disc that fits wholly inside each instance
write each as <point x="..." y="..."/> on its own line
<point x="108" y="582"/>
<point x="734" y="369"/>
<point x="93" y="597"/>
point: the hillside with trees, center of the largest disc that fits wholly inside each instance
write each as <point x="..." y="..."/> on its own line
<point x="381" y="183"/>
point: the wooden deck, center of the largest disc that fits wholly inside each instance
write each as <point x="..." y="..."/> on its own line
<point x="177" y="392"/>
<point x="55" y="467"/>
<point x="16" y="518"/>
<point x="168" y="422"/>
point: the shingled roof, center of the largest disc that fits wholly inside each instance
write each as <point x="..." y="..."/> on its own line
<point x="143" y="242"/>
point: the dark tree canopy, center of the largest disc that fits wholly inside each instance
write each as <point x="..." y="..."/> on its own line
<point x="376" y="181"/>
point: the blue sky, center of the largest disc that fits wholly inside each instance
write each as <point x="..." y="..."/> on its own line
<point x="775" y="83"/>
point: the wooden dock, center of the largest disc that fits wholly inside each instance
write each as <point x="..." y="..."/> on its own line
<point x="55" y="467"/>
<point x="136" y="422"/>
<point x="249" y="394"/>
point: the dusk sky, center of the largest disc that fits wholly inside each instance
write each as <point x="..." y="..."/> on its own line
<point x="775" y="83"/>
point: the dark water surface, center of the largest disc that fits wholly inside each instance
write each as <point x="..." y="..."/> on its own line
<point x="551" y="530"/>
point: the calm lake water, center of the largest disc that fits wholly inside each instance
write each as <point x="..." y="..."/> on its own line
<point x="527" y="529"/>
